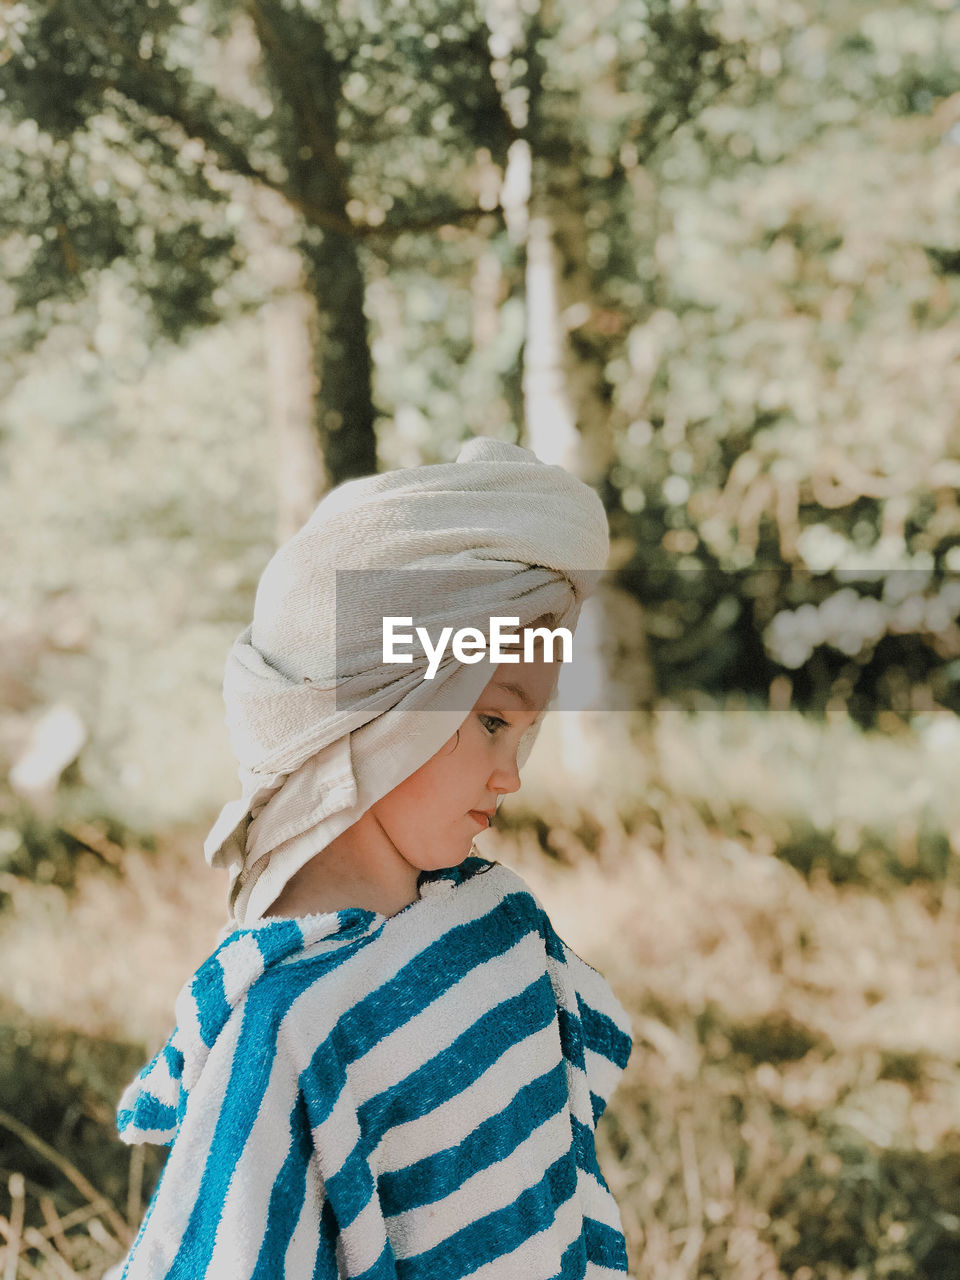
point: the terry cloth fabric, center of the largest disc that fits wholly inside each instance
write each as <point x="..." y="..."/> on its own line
<point x="515" y="537"/>
<point x="412" y="1097"/>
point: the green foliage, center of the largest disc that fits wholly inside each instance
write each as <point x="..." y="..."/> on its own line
<point x="138" y="133"/>
<point x="754" y="210"/>
<point x="102" y="165"/>
<point x="783" y="410"/>
<point x="183" y="146"/>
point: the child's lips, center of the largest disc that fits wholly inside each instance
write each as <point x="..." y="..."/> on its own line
<point x="479" y="816"/>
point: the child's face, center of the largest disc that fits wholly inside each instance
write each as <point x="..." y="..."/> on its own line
<point x="428" y="815"/>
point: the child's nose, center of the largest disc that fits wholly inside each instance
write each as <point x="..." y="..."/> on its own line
<point x="506" y="779"/>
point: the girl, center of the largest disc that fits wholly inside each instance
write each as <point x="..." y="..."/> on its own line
<point x="391" y="1066"/>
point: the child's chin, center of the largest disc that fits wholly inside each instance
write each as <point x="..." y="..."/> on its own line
<point x="442" y="859"/>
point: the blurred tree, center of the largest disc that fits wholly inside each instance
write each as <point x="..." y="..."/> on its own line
<point x="607" y="86"/>
<point x="738" y="216"/>
<point x="761" y="298"/>
<point x="173" y="141"/>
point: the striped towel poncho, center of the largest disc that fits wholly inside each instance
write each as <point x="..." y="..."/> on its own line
<point x="415" y="1096"/>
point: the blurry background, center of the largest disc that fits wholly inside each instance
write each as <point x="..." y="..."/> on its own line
<point x="705" y="255"/>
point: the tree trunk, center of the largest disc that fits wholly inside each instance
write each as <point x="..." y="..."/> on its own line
<point x="301" y="477"/>
<point x="551" y="429"/>
<point x="305" y="78"/>
<point x="344" y="413"/>
<point x="567" y="418"/>
<point x="578" y="306"/>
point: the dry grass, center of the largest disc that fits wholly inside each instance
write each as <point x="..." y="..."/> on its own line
<point x="69" y="1244"/>
<point x="794" y="1064"/>
<point x="134" y="939"/>
<point x="790" y="1107"/>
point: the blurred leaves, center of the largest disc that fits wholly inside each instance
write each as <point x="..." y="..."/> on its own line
<point x="754" y="206"/>
<point x="786" y="402"/>
<point x="128" y="129"/>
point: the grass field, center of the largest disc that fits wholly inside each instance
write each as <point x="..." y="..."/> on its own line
<point x="774" y="900"/>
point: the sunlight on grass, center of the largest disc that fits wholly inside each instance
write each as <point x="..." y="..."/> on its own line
<point x="790" y="1104"/>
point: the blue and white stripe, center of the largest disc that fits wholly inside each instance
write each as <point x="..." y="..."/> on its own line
<point x="354" y="1095"/>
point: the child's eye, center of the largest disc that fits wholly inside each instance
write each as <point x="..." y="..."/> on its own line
<point x="486" y="721"/>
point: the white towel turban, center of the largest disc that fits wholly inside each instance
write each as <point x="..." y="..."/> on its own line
<point x="314" y="751"/>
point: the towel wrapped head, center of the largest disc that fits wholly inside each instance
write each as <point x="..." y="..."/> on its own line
<point x="321" y="726"/>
